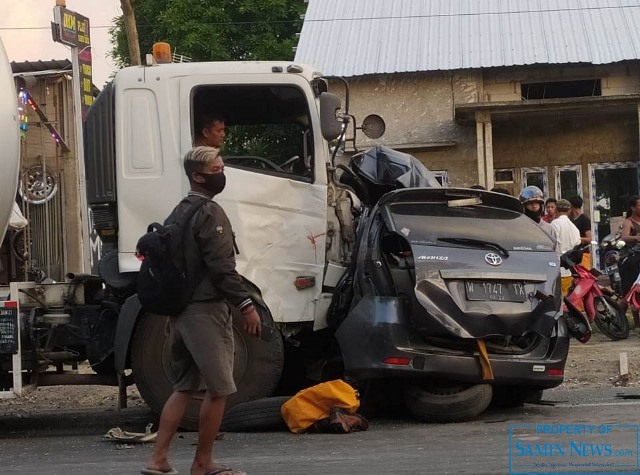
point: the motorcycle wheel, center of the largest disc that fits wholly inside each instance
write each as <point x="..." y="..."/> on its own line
<point x="611" y="319"/>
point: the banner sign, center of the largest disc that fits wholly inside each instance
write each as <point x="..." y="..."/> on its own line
<point x="72" y="29"/>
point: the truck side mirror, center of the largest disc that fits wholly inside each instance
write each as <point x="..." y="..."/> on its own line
<point x="330" y="124"/>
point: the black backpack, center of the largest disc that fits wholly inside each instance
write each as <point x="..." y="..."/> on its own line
<point x="163" y="286"/>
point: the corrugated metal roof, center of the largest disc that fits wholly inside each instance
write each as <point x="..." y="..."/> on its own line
<point x="356" y="37"/>
<point x="30" y="67"/>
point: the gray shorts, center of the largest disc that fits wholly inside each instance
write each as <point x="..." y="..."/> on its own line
<point x="202" y="349"/>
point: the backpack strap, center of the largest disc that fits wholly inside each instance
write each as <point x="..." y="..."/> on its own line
<point x="186" y="220"/>
<point x="192" y="210"/>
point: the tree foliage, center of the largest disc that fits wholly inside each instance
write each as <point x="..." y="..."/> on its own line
<point x="207" y="30"/>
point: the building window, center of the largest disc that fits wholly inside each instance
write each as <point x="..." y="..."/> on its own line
<point x="503" y="175"/>
<point x="560" y="89"/>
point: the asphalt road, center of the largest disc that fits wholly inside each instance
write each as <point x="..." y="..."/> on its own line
<point x="70" y="442"/>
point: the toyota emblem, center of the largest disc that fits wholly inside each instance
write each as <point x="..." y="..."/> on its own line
<point x="493" y="259"/>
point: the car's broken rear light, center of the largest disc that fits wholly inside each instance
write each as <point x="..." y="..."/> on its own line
<point x="397" y="360"/>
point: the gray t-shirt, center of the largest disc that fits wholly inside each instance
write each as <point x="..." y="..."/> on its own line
<point x="547" y="228"/>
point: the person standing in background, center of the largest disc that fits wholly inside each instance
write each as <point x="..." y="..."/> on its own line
<point x="533" y="203"/>
<point x="630" y="266"/>
<point x="568" y="237"/>
<point x="583" y="223"/>
<point x="550" y="212"/>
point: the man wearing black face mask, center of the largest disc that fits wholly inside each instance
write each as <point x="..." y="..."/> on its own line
<point x="202" y="336"/>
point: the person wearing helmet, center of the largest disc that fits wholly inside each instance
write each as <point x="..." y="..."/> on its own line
<point x="532" y="199"/>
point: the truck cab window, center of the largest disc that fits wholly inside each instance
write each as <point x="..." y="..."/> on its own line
<point x="268" y="128"/>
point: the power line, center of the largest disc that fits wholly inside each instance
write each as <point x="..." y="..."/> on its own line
<point x="390" y="17"/>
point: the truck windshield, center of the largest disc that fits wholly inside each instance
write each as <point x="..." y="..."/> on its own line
<point x="268" y="127"/>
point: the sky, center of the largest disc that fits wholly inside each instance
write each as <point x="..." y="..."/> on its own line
<point x="26" y="33"/>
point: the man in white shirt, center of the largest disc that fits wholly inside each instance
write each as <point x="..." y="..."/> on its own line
<point x="567" y="236"/>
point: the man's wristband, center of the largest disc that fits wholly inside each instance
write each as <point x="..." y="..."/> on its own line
<point x="248" y="309"/>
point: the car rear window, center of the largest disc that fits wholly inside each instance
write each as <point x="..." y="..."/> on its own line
<point x="428" y="223"/>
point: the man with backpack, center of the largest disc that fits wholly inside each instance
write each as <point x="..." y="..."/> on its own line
<point x="202" y="334"/>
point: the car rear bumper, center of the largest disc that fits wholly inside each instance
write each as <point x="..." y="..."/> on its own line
<point x="377" y="341"/>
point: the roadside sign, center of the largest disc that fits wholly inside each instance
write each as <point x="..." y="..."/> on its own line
<point x="72" y="29"/>
<point x="8" y="327"/>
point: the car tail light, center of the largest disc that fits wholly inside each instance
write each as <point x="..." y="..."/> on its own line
<point x="556" y="372"/>
<point x="397" y="360"/>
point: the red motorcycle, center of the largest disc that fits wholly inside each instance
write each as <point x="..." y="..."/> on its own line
<point x="597" y="301"/>
<point x="632" y="298"/>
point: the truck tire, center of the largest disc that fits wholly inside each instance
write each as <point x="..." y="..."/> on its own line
<point x="447" y="401"/>
<point x="257" y="366"/>
<point x="255" y="416"/>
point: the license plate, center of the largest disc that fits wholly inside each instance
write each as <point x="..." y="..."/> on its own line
<point x="499" y="291"/>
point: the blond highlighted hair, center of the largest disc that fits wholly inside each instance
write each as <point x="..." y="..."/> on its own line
<point x="196" y="158"/>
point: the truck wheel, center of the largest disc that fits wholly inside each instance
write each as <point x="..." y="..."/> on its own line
<point x="257" y="366"/>
<point x="446" y="401"/>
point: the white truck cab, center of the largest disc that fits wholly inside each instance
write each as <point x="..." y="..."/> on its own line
<point x="277" y="193"/>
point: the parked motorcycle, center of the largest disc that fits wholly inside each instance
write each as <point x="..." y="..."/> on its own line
<point x="632" y="298"/>
<point x="598" y="302"/>
<point x="614" y="252"/>
<point x="610" y="251"/>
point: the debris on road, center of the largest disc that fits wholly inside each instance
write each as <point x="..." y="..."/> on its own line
<point x="118" y="435"/>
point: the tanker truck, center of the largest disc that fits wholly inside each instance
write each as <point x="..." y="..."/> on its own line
<point x="10" y="139"/>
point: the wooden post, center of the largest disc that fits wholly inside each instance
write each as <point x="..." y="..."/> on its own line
<point x="480" y="149"/>
<point x="488" y="151"/>
<point x="132" y="32"/>
<point x="624" y="367"/>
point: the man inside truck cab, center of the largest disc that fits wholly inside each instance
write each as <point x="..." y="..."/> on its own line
<point x="209" y="130"/>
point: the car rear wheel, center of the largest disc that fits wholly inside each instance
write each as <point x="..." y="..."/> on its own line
<point x="444" y="401"/>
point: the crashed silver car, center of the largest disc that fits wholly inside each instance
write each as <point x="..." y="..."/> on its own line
<point x="453" y="295"/>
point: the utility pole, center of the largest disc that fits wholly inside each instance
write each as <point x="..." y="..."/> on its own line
<point x="132" y="32"/>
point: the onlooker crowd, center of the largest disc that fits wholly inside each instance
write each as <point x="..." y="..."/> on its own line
<point x="563" y="221"/>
